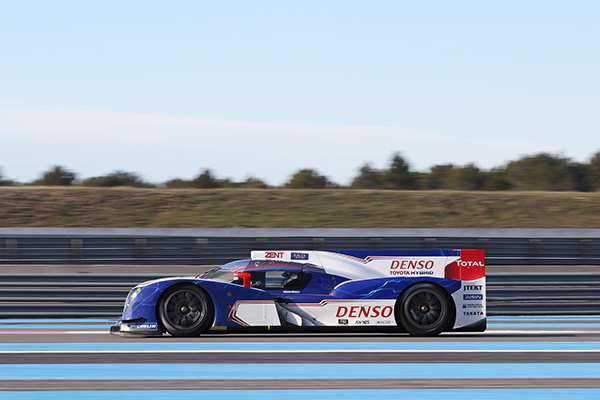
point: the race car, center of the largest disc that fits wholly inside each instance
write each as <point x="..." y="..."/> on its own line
<point x="423" y="293"/>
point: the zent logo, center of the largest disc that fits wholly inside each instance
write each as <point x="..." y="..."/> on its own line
<point x="273" y="254"/>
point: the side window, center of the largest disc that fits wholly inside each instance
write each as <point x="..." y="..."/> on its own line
<point x="286" y="280"/>
<point x="257" y="280"/>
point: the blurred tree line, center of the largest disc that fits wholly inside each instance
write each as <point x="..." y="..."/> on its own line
<point x="542" y="171"/>
<point x="538" y="172"/>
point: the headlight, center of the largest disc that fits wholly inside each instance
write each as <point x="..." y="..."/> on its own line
<point x="131" y="296"/>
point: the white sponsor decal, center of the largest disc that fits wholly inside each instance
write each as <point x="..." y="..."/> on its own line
<point x="364" y="311"/>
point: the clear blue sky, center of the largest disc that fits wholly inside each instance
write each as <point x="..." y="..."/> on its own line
<point x="264" y="88"/>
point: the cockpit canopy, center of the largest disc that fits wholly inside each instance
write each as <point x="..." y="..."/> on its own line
<point x="265" y="274"/>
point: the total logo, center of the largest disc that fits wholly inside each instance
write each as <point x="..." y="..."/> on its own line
<point x="470" y="264"/>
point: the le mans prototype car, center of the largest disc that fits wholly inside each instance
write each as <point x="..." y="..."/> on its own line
<point x="423" y="293"/>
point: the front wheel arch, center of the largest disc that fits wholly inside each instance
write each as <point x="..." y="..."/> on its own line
<point x="416" y="310"/>
<point x="170" y="325"/>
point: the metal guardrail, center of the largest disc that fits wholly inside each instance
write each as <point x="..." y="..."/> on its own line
<point x="103" y="295"/>
<point x="217" y="246"/>
<point x="543" y="294"/>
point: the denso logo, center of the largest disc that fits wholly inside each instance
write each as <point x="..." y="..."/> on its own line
<point x="469" y="264"/>
<point x="364" y="312"/>
<point x="412" y="264"/>
<point x="273" y="254"/>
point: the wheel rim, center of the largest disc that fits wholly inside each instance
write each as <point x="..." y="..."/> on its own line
<point x="424" y="308"/>
<point x="184" y="309"/>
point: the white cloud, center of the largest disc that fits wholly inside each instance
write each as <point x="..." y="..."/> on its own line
<point x="160" y="147"/>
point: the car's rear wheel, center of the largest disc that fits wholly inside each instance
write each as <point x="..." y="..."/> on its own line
<point x="424" y="310"/>
<point x="185" y="310"/>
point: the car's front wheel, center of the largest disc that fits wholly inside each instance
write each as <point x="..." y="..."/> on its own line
<point x="185" y="310"/>
<point x="424" y="310"/>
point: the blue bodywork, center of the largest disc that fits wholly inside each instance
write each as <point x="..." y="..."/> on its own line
<point x="223" y="296"/>
<point x="386" y="288"/>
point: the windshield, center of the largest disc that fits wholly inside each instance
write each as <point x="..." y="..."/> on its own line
<point x="225" y="272"/>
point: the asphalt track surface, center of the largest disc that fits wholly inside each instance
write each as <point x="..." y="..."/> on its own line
<point x="517" y="357"/>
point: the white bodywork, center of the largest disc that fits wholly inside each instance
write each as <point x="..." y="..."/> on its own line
<point x="469" y="300"/>
<point x="373" y="267"/>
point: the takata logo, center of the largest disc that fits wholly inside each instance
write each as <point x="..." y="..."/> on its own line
<point x="469" y="264"/>
<point x="273" y="254"/>
<point x="473" y="313"/>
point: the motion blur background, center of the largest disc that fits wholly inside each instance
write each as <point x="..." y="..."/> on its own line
<point x="147" y="139"/>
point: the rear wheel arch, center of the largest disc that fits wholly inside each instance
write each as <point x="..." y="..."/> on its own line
<point x="416" y="309"/>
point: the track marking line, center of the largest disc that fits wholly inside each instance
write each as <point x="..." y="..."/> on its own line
<point x="293" y="351"/>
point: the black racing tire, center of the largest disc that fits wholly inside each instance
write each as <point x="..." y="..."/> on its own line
<point x="185" y="310"/>
<point x="425" y="309"/>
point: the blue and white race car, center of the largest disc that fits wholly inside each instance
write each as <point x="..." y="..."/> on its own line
<point x="421" y="292"/>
